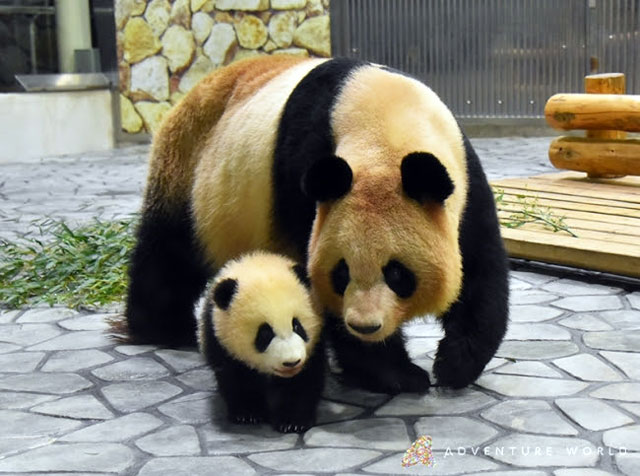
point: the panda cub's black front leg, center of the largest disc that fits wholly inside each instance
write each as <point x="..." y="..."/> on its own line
<point x="241" y="389"/>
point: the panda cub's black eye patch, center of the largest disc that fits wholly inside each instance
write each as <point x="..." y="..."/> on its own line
<point x="340" y="277"/>
<point x="399" y="278"/>
<point x="263" y="337"/>
<point x="298" y="329"/>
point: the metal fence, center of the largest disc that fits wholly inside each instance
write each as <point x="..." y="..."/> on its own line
<point x="494" y="58"/>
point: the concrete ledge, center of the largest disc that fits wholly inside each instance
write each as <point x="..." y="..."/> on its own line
<point x="36" y="125"/>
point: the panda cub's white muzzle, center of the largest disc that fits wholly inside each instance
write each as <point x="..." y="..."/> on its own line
<point x="286" y="357"/>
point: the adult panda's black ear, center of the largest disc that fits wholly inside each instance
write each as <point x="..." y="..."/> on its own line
<point x="327" y="179"/>
<point x="424" y="178"/>
<point x="224" y="292"/>
<point x="301" y="273"/>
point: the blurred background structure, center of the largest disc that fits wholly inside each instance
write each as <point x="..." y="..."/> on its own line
<point x="494" y="62"/>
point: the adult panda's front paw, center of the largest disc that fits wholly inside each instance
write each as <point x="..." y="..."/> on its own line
<point x="242" y="418"/>
<point x="392" y="380"/>
<point x="456" y="365"/>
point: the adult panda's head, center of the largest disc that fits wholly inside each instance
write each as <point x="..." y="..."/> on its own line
<point x="262" y="313"/>
<point x="384" y="245"/>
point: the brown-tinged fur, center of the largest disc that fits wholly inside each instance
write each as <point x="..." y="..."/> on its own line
<point x="178" y="143"/>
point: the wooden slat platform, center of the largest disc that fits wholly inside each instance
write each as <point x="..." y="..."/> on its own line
<point x="603" y="213"/>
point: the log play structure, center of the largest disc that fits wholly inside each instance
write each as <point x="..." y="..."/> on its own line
<point x="601" y="209"/>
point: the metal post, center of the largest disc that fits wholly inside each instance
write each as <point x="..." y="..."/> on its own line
<point x="73" y="27"/>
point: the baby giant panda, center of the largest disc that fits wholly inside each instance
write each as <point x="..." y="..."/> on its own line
<point x="260" y="334"/>
<point x="356" y="170"/>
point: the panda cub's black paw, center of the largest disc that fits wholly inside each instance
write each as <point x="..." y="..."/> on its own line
<point x="288" y="427"/>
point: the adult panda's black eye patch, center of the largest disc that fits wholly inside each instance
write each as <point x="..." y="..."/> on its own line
<point x="263" y="337"/>
<point x="424" y="178"/>
<point x="223" y="293"/>
<point x="399" y="278"/>
<point x="298" y="329"/>
<point x="340" y="277"/>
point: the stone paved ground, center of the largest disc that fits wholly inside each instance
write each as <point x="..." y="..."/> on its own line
<point x="562" y="396"/>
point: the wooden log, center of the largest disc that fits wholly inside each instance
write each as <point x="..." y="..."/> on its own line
<point x="597" y="157"/>
<point x="594" y="112"/>
<point x="606" y="83"/>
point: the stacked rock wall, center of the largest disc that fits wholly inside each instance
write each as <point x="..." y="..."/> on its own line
<point x="166" y="46"/>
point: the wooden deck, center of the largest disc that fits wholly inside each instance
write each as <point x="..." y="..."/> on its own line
<point x="604" y="214"/>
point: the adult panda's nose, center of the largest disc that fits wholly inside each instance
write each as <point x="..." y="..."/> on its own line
<point x="292" y="363"/>
<point x="365" y="329"/>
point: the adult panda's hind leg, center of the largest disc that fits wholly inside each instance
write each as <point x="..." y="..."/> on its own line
<point x="476" y="323"/>
<point x="167" y="275"/>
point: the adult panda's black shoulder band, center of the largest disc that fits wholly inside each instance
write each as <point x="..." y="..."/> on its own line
<point x="305" y="137"/>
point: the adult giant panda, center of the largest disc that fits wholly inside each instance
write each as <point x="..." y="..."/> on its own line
<point x="357" y="170"/>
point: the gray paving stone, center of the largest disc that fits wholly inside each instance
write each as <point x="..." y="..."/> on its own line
<point x="373" y="433"/>
<point x="629" y="463"/>
<point x="516" y="284"/>
<point x="627" y="361"/>
<point x="6" y="348"/>
<point x="589" y="368"/>
<point x="585" y="322"/>
<point x="199" y="379"/>
<point x="531" y="416"/>
<point x="581" y="472"/>
<point x="12" y="445"/>
<point x="84" y="407"/>
<point x="202" y="466"/>
<point x="20" y="362"/>
<point x="613" y="340"/>
<point x="532" y="277"/>
<point x="520" y="386"/>
<point x="445" y="464"/>
<point x="330" y="412"/>
<point x="117" y="430"/>
<point x="88" y="322"/>
<point x="47" y="314"/>
<point x="58" y="383"/>
<point x="531" y="297"/>
<point x="530" y="368"/>
<point x="74" y="341"/>
<point x="533" y="332"/>
<point x="592" y="414"/>
<point x="334" y="390"/>
<point x="27" y="334"/>
<point x="191" y="409"/>
<point x="530" y="313"/>
<point x="74" y="360"/>
<point x="133" y="396"/>
<point x="510" y="473"/>
<point x="536" y="350"/>
<point x="181" y="360"/>
<point x="632" y="408"/>
<point x="570" y="287"/>
<point x="20" y="400"/>
<point x="135" y="368"/>
<point x="18" y="425"/>
<point x="7" y="317"/>
<point x="542" y="451"/>
<point x="589" y="303"/>
<point x="314" y="459"/>
<point x="134" y="349"/>
<point x="222" y="438"/>
<point x="625" y="392"/>
<point x="625" y="319"/>
<point x="180" y="440"/>
<point x="436" y="402"/>
<point x="108" y="457"/>
<point x="453" y="432"/>
<point x="634" y="300"/>
<point x="625" y="438"/>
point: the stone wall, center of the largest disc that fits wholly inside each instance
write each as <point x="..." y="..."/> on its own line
<point x="166" y="46"/>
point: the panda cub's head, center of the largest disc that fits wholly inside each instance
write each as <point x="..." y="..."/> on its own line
<point x="262" y="313"/>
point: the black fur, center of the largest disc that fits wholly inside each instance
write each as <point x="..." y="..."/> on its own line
<point x="288" y="404"/>
<point x="340" y="277"/>
<point x="424" y="178"/>
<point x="305" y="137"/>
<point x="166" y="275"/>
<point x="400" y="279"/>
<point x="264" y="337"/>
<point x="302" y="275"/>
<point x="224" y="292"/>
<point x="327" y="179"/>
<point x="476" y="323"/>
<point x="299" y="329"/>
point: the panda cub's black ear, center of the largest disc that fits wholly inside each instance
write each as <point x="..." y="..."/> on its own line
<point x="327" y="179"/>
<point x="224" y="292"/>
<point x="301" y="273"/>
<point x="424" y="178"/>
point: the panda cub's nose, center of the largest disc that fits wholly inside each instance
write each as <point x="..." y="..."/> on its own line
<point x="291" y="364"/>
